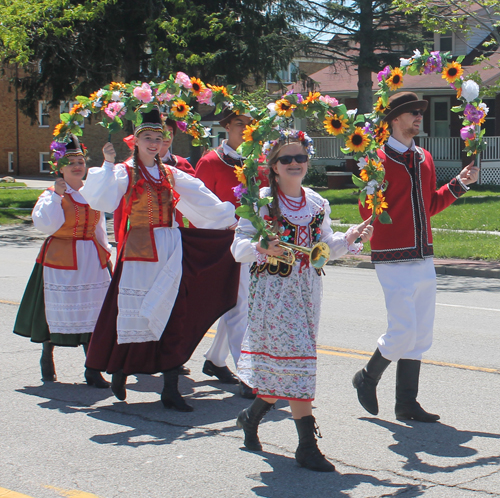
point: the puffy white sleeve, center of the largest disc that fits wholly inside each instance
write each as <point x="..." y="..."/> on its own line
<point x="200" y="206"/>
<point x="105" y="186"/>
<point x="48" y="214"/>
<point x="242" y="248"/>
<point x="337" y="241"/>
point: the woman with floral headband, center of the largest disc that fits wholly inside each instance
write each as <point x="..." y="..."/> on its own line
<point x="278" y="357"/>
<point x="146" y="325"/>
<point x="69" y="282"/>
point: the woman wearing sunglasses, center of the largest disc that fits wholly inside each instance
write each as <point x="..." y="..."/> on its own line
<point x="278" y="357"/>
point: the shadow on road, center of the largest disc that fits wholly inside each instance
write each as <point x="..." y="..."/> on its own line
<point x="437" y="440"/>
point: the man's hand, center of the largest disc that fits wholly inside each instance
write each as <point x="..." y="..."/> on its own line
<point x="109" y="152"/>
<point x="469" y="174"/>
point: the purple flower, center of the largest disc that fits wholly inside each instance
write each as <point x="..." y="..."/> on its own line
<point x="182" y="126"/>
<point x="385" y="73"/>
<point x="433" y="64"/>
<point x="473" y="114"/>
<point x="58" y="150"/>
<point x="300" y="99"/>
<point x="467" y="133"/>
<point x="290" y="92"/>
<point x="239" y="191"/>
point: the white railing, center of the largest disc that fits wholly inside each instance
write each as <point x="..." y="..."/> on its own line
<point x="328" y="148"/>
<point x="443" y="148"/>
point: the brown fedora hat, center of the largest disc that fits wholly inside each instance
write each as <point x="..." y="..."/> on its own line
<point x="399" y="103"/>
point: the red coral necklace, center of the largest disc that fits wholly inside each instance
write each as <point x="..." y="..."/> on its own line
<point x="290" y="203"/>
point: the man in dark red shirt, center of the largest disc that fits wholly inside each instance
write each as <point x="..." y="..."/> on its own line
<point x="216" y="170"/>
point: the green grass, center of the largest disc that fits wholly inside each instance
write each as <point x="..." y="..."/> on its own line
<point x="476" y="210"/>
<point x="12" y="185"/>
<point x="25" y="198"/>
<point x="14" y="216"/>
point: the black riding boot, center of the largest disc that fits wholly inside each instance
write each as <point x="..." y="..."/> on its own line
<point x="249" y="420"/>
<point x="366" y="380"/>
<point x="171" y="397"/>
<point x="407" y="406"/>
<point x="47" y="362"/>
<point x="308" y="454"/>
<point x="93" y="377"/>
<point x="118" y="382"/>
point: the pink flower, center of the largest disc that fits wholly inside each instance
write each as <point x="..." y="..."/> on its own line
<point x="115" y="109"/>
<point x="183" y="80"/>
<point x="144" y="93"/>
<point x="467" y="133"/>
<point x="331" y="101"/>
<point x="164" y="97"/>
<point x="385" y="73"/>
<point x="182" y="126"/>
<point x="205" y="97"/>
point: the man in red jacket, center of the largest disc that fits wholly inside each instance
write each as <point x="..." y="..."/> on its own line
<point x="403" y="256"/>
<point x="216" y="171"/>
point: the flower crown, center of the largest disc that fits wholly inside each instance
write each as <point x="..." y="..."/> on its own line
<point x="285" y="136"/>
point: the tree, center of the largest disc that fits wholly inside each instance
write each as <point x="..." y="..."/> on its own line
<point x="69" y="47"/>
<point x="363" y="33"/>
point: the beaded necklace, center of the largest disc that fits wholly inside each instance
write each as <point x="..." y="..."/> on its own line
<point x="290" y="203"/>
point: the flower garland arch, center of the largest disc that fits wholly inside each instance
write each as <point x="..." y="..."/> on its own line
<point x="362" y="134"/>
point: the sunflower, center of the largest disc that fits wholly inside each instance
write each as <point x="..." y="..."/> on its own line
<point x="198" y="86"/>
<point x="113" y="86"/>
<point x="452" y="72"/>
<point x="336" y="125"/>
<point x="363" y="174"/>
<point x="382" y="133"/>
<point x="380" y="202"/>
<point x="379" y="106"/>
<point x="239" y="171"/>
<point x="248" y="132"/>
<point x="221" y="89"/>
<point x="180" y="109"/>
<point x="311" y="97"/>
<point x="395" y="80"/>
<point x="57" y="129"/>
<point x="284" y="108"/>
<point x="357" y="141"/>
<point x="75" y="109"/>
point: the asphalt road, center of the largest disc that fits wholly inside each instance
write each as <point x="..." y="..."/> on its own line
<point x="68" y="439"/>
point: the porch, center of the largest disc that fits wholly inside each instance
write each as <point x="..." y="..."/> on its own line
<point x="447" y="154"/>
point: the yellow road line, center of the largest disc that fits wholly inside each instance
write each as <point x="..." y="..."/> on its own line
<point x="3" y="301"/>
<point x="72" y="493"/>
<point x="7" y="493"/>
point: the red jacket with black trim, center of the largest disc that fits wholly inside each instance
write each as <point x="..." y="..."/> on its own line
<point x="412" y="198"/>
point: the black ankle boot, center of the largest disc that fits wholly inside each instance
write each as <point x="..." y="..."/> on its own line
<point x="366" y="380"/>
<point x="118" y="382"/>
<point x="407" y="406"/>
<point x="171" y="397"/>
<point x="308" y="454"/>
<point x="94" y="377"/>
<point x="47" y="362"/>
<point x="249" y="420"/>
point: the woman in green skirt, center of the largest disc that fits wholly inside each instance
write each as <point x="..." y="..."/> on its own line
<point x="65" y="292"/>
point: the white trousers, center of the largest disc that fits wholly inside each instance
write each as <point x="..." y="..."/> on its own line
<point x="410" y="299"/>
<point x="232" y="325"/>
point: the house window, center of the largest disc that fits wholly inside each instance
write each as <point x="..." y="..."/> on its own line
<point x="10" y="161"/>
<point x="44" y="162"/>
<point x="222" y="135"/>
<point x="287" y="75"/>
<point x="66" y="106"/>
<point x="446" y="42"/>
<point x="489" y="124"/>
<point x="43" y="114"/>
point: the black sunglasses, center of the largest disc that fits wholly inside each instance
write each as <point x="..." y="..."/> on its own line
<point x="299" y="158"/>
<point x="417" y="113"/>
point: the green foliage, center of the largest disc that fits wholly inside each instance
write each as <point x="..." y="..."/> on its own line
<point x="66" y="48"/>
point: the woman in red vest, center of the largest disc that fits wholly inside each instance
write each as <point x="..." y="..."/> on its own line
<point x="69" y="282"/>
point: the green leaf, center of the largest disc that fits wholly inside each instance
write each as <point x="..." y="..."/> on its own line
<point x="460" y="58"/>
<point x="384" y="218"/>
<point x="457" y="108"/>
<point x="358" y="182"/>
<point x="65" y="117"/>
<point x="264" y="201"/>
